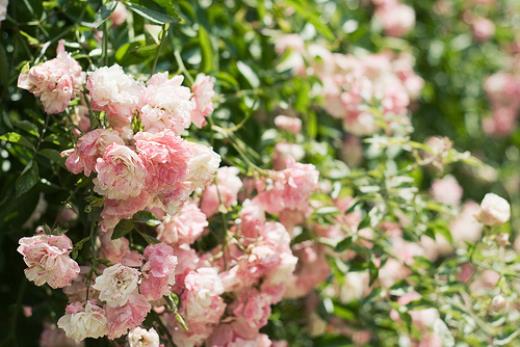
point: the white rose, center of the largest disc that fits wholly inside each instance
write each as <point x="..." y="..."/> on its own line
<point x="116" y="284"/>
<point x="494" y="210"/>
<point x="202" y="165"/>
<point x="140" y="337"/>
<point x="88" y="323"/>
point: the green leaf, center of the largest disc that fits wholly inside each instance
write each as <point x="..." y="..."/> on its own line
<point x="206" y="49"/>
<point x="311" y="15"/>
<point x="147" y="218"/>
<point x="344" y="244"/>
<point x="78" y="246"/>
<point x="28" y="179"/>
<point x="16" y="138"/>
<point x="149" y="239"/>
<point x="152" y="15"/>
<point x="248" y="74"/>
<point x="102" y="15"/>
<point x="53" y="155"/>
<point x="122" y="228"/>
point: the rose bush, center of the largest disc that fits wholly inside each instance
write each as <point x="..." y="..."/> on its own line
<point x="259" y="173"/>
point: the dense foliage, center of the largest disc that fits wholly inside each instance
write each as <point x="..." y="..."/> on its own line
<point x="259" y="173"/>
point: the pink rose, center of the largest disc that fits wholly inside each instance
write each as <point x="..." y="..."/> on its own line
<point x="184" y="227"/>
<point x="201" y="301"/>
<point x="55" y="82"/>
<point x="167" y="104"/>
<point x="251" y="309"/>
<point x="158" y="271"/>
<point x="483" y="29"/>
<point x="118" y="16"/>
<point x="89" y="148"/>
<point x="116" y="93"/>
<point x="396" y="19"/>
<point x="127" y="317"/>
<point x="289" y="124"/>
<point x="447" y="190"/>
<point x="289" y="188"/>
<point x="165" y="156"/>
<point x="224" y="192"/>
<point x="203" y="93"/>
<point x="120" y="172"/>
<point x="48" y="261"/>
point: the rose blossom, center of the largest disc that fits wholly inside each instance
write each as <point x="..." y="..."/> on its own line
<point x="289" y="189"/>
<point x="116" y="93"/>
<point x="80" y="324"/>
<point x="494" y="210"/>
<point x="284" y="152"/>
<point x="186" y="226"/>
<point x="55" y="82"/>
<point x="447" y="190"/>
<point x="201" y="301"/>
<point x="224" y="192"/>
<point x="396" y="19"/>
<point x="165" y="156"/>
<point x="251" y="309"/>
<point x="123" y="318"/>
<point x="121" y="173"/>
<point x="118" y="251"/>
<point x="203" y="163"/>
<point x="203" y="92"/>
<point x="158" y="271"/>
<point x="140" y="337"/>
<point x="89" y="148"/>
<point x="482" y="29"/>
<point x="116" y="284"/>
<point x="167" y="104"/>
<point x="48" y="261"/>
<point x="289" y="124"/>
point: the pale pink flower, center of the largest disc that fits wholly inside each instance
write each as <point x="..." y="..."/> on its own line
<point x="293" y="42"/>
<point x="284" y="152"/>
<point x="483" y="29"/>
<point x="52" y="336"/>
<point x="201" y="301"/>
<point x="131" y="315"/>
<point x="165" y="156"/>
<point x="48" y="260"/>
<point x="501" y="123"/>
<point x="203" y="163"/>
<point x="251" y="309"/>
<point x="80" y="118"/>
<point x="494" y="210"/>
<point x="188" y="261"/>
<point x="289" y="188"/>
<point x="396" y="19"/>
<point x="89" y="148"/>
<point x="447" y="190"/>
<point x="252" y="219"/>
<point x="117" y="284"/>
<point x="158" y="271"/>
<point x="502" y="89"/>
<point x="289" y="124"/>
<point x="118" y="16"/>
<point x="186" y="226"/>
<point x="118" y="251"/>
<point x="120" y="172"/>
<point x="424" y="318"/>
<point x="195" y="336"/>
<point x="391" y="272"/>
<point x="223" y="193"/>
<point x="140" y="337"/>
<point x="118" y="94"/>
<point x="167" y="104"/>
<point x="80" y="324"/>
<point x="203" y="93"/>
<point x="465" y="227"/>
<point x="354" y="287"/>
<point x="55" y="82"/>
<point x="115" y="210"/>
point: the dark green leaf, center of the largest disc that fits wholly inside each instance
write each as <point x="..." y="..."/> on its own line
<point x="122" y="228"/>
<point x="28" y="179"/>
<point x="152" y="15"/>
